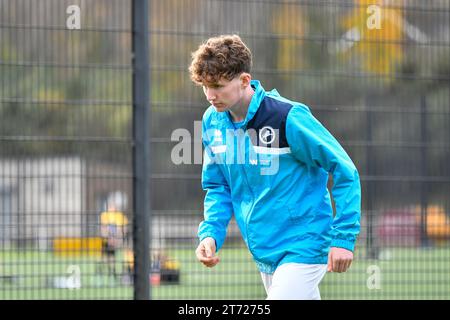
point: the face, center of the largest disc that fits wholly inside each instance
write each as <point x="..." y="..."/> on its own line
<point x="224" y="94"/>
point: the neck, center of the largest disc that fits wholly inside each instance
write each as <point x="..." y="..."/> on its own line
<point x="239" y="111"/>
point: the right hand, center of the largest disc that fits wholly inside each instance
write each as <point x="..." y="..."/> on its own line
<point x="206" y="251"/>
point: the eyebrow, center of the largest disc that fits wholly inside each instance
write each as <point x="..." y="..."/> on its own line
<point x="213" y="85"/>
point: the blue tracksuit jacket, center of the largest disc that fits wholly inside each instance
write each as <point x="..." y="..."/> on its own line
<point x="271" y="172"/>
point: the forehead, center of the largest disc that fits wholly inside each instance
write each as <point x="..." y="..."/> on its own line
<point x="220" y="82"/>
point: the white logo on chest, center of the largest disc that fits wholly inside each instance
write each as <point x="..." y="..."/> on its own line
<point x="267" y="135"/>
<point x="218" y="136"/>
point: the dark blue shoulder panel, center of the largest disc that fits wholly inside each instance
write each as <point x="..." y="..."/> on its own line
<point x="271" y="113"/>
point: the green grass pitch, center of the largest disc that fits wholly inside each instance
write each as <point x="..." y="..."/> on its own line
<point x="405" y="273"/>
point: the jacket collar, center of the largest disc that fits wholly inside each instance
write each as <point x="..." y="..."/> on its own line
<point x="256" y="100"/>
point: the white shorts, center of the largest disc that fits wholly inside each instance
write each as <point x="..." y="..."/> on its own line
<point x="294" y="281"/>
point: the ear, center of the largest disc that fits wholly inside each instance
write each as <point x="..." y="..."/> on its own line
<point x="245" y="79"/>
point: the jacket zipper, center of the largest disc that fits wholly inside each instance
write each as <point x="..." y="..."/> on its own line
<point x="247" y="218"/>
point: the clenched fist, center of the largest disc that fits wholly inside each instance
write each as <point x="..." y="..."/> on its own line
<point x="339" y="259"/>
<point x="206" y="251"/>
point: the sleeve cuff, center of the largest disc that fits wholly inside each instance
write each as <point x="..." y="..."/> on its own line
<point x="206" y="235"/>
<point x="340" y="243"/>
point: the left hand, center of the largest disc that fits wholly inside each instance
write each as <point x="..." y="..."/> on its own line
<point x="339" y="259"/>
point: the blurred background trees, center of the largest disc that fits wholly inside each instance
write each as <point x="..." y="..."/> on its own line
<point x="379" y="91"/>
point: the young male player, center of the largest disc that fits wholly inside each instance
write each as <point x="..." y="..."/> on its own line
<point x="267" y="161"/>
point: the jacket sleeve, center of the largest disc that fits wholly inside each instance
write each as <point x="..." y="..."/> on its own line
<point x="218" y="208"/>
<point x="312" y="144"/>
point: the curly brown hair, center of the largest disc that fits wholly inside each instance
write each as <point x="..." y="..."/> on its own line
<point x="225" y="56"/>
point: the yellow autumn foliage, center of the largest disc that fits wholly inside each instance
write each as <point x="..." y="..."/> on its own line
<point x="288" y="23"/>
<point x="379" y="48"/>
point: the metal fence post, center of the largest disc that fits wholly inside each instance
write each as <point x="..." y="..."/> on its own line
<point x="372" y="251"/>
<point x="141" y="152"/>
<point x="424" y="172"/>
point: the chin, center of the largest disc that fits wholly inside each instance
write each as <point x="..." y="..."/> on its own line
<point x="220" y="109"/>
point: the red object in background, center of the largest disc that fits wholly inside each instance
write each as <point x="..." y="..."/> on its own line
<point x="155" y="279"/>
<point x="398" y="227"/>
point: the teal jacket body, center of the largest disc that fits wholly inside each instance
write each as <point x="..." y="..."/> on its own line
<point x="271" y="172"/>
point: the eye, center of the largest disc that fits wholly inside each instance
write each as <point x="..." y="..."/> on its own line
<point x="213" y="86"/>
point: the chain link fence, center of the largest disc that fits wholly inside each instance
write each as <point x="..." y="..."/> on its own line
<point x="375" y="73"/>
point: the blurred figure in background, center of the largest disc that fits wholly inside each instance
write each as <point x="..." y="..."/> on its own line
<point x="113" y="230"/>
